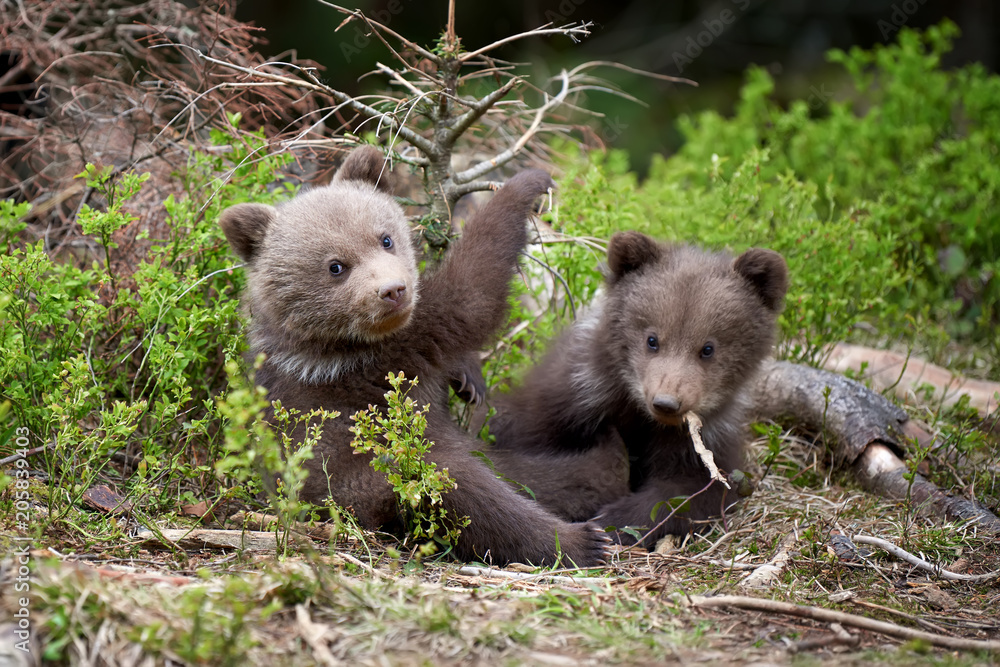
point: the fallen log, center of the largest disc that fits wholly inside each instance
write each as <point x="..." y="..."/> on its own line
<point x="866" y="430"/>
<point x="907" y="376"/>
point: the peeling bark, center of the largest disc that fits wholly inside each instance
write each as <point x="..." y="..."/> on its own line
<point x="865" y="430"/>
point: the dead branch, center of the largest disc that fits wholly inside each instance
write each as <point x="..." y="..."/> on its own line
<point x="430" y="115"/>
<point x="478" y="108"/>
<point x="829" y="404"/>
<point x="831" y="616"/>
<point x="489" y="572"/>
<point x="203" y="538"/>
<point x="916" y="561"/>
<point x="23" y="455"/>
<point x="378" y="29"/>
<point x="503" y="158"/>
<point x="378" y="574"/>
<point x="575" y="31"/>
<point x="632" y="70"/>
<point x="865" y="429"/>
<point x="258" y="521"/>
<point x="149" y="107"/>
<point x="353" y="103"/>
<point x="933" y="627"/>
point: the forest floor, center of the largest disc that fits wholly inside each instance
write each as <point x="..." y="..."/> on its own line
<point x="355" y="600"/>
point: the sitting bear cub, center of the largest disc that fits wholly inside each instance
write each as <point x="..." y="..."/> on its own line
<point x="679" y="329"/>
<point x="336" y="303"/>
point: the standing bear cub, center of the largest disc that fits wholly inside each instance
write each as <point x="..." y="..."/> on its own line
<point x="679" y="329"/>
<point x="336" y="304"/>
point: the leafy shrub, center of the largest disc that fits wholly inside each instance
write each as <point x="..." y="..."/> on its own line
<point x="912" y="153"/>
<point x="395" y="438"/>
<point x="92" y="363"/>
<point x="259" y="450"/>
<point x="884" y="206"/>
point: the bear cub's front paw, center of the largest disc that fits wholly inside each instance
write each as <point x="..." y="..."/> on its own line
<point x="587" y="546"/>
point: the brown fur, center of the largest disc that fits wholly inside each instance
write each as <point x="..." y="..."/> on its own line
<point x="603" y="382"/>
<point x="331" y="340"/>
<point x="573" y="485"/>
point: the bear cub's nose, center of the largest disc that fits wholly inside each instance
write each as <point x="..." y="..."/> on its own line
<point x="392" y="292"/>
<point x="666" y="405"/>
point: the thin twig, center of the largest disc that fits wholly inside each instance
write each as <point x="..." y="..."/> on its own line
<point x="571" y="30"/>
<point x="462" y="123"/>
<point x="31" y="452"/>
<point x="484" y="167"/>
<point x="632" y="70"/>
<point x="524" y="576"/>
<point x="376" y="26"/>
<point x="396" y="76"/>
<point x="831" y="616"/>
<point x="558" y="276"/>
<point x="416" y="139"/>
<point x="363" y="565"/>
<point x="916" y="561"/>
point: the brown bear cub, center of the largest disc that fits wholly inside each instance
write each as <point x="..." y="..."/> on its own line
<point x="336" y="304"/>
<point x="680" y="329"/>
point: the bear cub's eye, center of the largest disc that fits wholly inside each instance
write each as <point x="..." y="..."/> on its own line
<point x="387" y="242"/>
<point x="336" y="268"/>
<point x="707" y="351"/>
<point x="652" y="343"/>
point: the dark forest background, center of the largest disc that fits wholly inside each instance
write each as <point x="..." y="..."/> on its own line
<point x="712" y="42"/>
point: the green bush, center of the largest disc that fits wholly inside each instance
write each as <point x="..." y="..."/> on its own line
<point x="92" y="362"/>
<point x="395" y="438"/>
<point x="911" y="153"/>
<point x="885" y="205"/>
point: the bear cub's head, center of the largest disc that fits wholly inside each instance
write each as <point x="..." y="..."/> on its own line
<point x="336" y="263"/>
<point x="691" y="326"/>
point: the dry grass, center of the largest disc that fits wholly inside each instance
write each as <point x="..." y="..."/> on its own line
<point x="319" y="606"/>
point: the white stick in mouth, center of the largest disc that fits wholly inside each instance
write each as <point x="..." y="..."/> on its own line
<point x="693" y="422"/>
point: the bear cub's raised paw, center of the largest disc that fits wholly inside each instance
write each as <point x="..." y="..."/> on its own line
<point x="336" y="303"/>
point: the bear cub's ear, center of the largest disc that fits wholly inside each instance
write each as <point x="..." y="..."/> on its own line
<point x="767" y="273"/>
<point x="629" y="251"/>
<point x="365" y="164"/>
<point x="245" y="226"/>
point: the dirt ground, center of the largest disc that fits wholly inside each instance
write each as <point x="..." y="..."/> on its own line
<point x="361" y="599"/>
